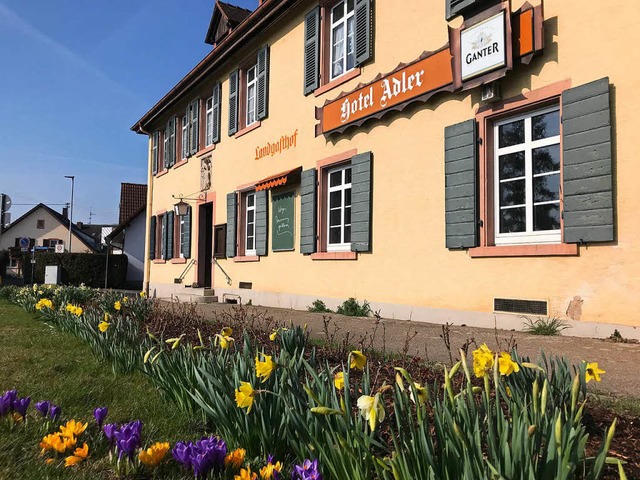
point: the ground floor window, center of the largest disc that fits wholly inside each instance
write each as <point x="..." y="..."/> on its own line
<point x="339" y="209"/>
<point x="250" y="224"/>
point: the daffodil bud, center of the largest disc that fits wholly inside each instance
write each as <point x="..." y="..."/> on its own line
<point x="325" y="411"/>
<point x="532" y="430"/>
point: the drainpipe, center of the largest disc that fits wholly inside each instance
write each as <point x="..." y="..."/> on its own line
<point x="147" y="260"/>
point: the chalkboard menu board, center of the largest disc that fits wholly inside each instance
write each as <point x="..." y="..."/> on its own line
<point x="282" y="228"/>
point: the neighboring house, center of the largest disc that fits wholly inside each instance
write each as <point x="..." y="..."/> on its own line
<point x="129" y="236"/>
<point x="98" y="232"/>
<point x="45" y="228"/>
<point x="445" y="160"/>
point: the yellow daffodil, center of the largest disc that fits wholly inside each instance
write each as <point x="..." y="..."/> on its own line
<point x="44" y="303"/>
<point x="421" y="392"/>
<point x="143" y="294"/>
<point x="593" y="372"/>
<point x="273" y="335"/>
<point x="78" y="456"/>
<point x="107" y="317"/>
<point x="154" y="455"/>
<point x="103" y="326"/>
<point x="223" y="340"/>
<point x="245" y="395"/>
<point x="235" y="459"/>
<point x="482" y="360"/>
<point x="264" y="368"/>
<point x="125" y="299"/>
<point x="338" y="380"/>
<point x="358" y="360"/>
<point x="117" y="305"/>
<point x="226" y="332"/>
<point x="246" y="474"/>
<point x="267" y="472"/>
<point x="73" y="428"/>
<point x="371" y="409"/>
<point x="506" y="365"/>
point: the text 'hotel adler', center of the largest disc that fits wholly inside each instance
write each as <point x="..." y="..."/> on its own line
<point x="464" y="161"/>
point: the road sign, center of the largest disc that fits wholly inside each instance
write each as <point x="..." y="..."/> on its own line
<point x="33" y="260"/>
<point x="60" y="248"/>
<point x="24" y="242"/>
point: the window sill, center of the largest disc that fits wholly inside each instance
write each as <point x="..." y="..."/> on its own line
<point x="163" y="172"/>
<point x="246" y="259"/>
<point x="334" y="256"/>
<point x="184" y="161"/>
<point x="179" y="260"/>
<point x="551" y="250"/>
<point x="159" y="262"/>
<point x="248" y="129"/>
<point x="205" y="150"/>
<point x="338" y="81"/>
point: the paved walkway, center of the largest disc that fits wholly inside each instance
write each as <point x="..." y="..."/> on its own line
<point x="621" y="361"/>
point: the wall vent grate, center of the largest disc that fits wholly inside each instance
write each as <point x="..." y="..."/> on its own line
<point x="245" y="285"/>
<point x="526" y="307"/>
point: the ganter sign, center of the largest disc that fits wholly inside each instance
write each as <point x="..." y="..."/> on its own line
<point x="427" y="75"/>
<point x="483" y="47"/>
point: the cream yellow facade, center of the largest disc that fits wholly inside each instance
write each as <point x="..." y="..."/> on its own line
<point x="409" y="272"/>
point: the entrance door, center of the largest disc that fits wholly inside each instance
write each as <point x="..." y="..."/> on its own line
<point x="205" y="244"/>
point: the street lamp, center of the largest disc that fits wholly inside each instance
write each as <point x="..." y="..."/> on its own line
<point x="72" y="177"/>
<point x="181" y="208"/>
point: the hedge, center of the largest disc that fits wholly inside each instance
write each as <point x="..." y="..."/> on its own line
<point x="87" y="268"/>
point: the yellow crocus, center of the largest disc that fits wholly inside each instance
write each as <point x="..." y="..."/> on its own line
<point x="103" y="326"/>
<point x="246" y="474"/>
<point x="153" y="455"/>
<point x="235" y="459"/>
<point x="51" y="442"/>
<point x="107" y="317"/>
<point x="73" y="429"/>
<point x="125" y="299"/>
<point x="338" y="380"/>
<point x="117" y="305"/>
<point x="506" y="365"/>
<point x="358" y="360"/>
<point x="78" y="456"/>
<point x="264" y="368"/>
<point x="245" y="395"/>
<point x="371" y="409"/>
<point x="267" y="472"/>
<point x="593" y="372"/>
<point x="82" y="452"/>
<point x="482" y="360"/>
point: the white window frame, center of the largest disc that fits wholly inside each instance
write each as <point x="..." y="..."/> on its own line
<point x="529" y="236"/>
<point x="163" y="237"/>
<point x="247" y="251"/>
<point x="185" y="137"/>
<point x="209" y="121"/>
<point x="341" y="246"/>
<point x="181" y="233"/>
<point x="344" y="22"/>
<point x="13" y="263"/>
<point x="252" y="112"/>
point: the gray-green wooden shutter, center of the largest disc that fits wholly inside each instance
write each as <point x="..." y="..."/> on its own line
<point x="363" y="31"/>
<point x="460" y="171"/>
<point x="233" y="102"/>
<point x="154" y="152"/>
<point x="308" y="210"/>
<point x="361" y="176"/>
<point x="167" y="151"/>
<point x="217" y="91"/>
<point x="261" y="222"/>
<point x="262" y="97"/>
<point x="152" y="238"/>
<point x="185" y="240"/>
<point x="163" y="238"/>
<point x="587" y="167"/>
<point x="312" y="51"/>
<point x="194" y="127"/>
<point x="231" y="224"/>
<point x="455" y="7"/>
<point x="170" y="234"/>
<point x="170" y="145"/>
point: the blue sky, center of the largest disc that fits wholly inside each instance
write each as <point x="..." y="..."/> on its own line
<point x="75" y="75"/>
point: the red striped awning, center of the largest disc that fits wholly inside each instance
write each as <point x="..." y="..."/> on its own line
<point x="285" y="178"/>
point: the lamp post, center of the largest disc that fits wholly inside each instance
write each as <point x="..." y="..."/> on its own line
<point x="73" y="178"/>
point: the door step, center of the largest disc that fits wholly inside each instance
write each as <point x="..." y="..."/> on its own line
<point x="197" y="295"/>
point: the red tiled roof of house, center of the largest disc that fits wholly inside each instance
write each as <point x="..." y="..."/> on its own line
<point x="133" y="197"/>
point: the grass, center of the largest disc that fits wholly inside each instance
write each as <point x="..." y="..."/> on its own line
<point x="550" y="326"/>
<point x="47" y="364"/>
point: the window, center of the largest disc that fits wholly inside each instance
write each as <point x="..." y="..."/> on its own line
<point x="185" y="137"/>
<point x="339" y="209"/>
<point x="163" y="237"/>
<point x="220" y="241"/>
<point x="209" y="122"/>
<point x="51" y="242"/>
<point x="40" y="224"/>
<point x="250" y="225"/>
<point x="13" y="263"/>
<point x="170" y="143"/>
<point x="252" y="81"/>
<point x="342" y="50"/>
<point x="527" y="178"/>
<point x="183" y="235"/>
<point x="154" y="152"/>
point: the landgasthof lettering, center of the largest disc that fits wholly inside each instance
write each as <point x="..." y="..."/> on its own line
<point x="284" y="143"/>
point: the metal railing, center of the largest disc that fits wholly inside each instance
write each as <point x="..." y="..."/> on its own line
<point x="184" y="273"/>
<point x="215" y="260"/>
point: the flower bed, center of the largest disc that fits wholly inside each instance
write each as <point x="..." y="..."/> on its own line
<point x="265" y="390"/>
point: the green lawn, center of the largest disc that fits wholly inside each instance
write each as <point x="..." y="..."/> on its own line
<point x="46" y="364"/>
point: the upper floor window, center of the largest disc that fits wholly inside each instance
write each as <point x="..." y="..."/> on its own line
<point x="343" y="55"/>
<point x="209" y="122"/>
<point x="40" y="224"/>
<point x="527" y="178"/>
<point x="339" y="209"/>
<point x="251" y="89"/>
<point x="185" y="137"/>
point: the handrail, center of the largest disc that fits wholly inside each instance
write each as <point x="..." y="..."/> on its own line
<point x="215" y="260"/>
<point x="184" y="273"/>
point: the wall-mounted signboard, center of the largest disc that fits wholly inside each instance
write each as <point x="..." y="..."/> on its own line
<point x="483" y="47"/>
<point x="282" y="227"/>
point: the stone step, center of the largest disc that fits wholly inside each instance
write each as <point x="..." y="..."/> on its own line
<point x="195" y="298"/>
<point x="203" y="292"/>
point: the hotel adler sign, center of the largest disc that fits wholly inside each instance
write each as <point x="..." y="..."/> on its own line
<point x="482" y="50"/>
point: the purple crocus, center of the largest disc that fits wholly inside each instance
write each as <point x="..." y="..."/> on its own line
<point x="109" y="429"/>
<point x="11" y="395"/>
<point x="20" y="405"/>
<point x="203" y="456"/>
<point x="43" y="407"/>
<point x="54" y="412"/>
<point x="128" y="439"/>
<point x="99" y="414"/>
<point x="5" y="405"/>
<point x="307" y="471"/>
<point x="182" y="453"/>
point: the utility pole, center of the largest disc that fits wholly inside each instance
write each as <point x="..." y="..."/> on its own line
<point x="73" y="178"/>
